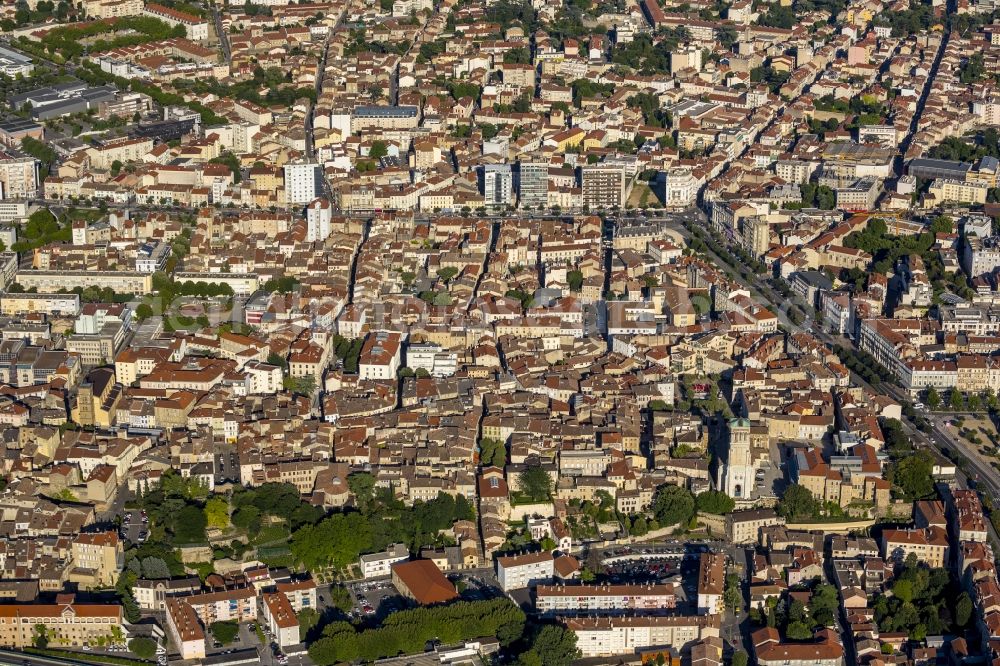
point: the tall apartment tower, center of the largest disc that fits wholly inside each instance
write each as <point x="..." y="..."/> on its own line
<point x="603" y="185"/>
<point x="532" y="184"/>
<point x="498" y="184"/>
<point x="319" y="214"/>
<point x="18" y="177"/>
<point x="301" y="182"/>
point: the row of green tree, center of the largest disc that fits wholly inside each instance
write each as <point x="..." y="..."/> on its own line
<point x="41" y="151"/>
<point x="909" y="470"/>
<point x="69" y="42"/>
<point x="24" y="15"/>
<point x="958" y="401"/>
<point x="862" y="363"/>
<point x="407" y="632"/>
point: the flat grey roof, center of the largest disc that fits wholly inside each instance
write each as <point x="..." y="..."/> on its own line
<point x="928" y="163"/>
<point x="18" y="125"/>
<point x="386" y="111"/>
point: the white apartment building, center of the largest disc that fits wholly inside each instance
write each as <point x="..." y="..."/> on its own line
<point x="196" y="27"/>
<point x="263" y="378"/>
<point x="680" y="188"/>
<point x="150" y="257"/>
<point x="836" y="310"/>
<point x="123" y="282"/>
<point x="153" y="594"/>
<point x="8" y="268"/>
<point x="795" y="171"/>
<point x="281" y="619"/>
<point x="922" y="374"/>
<point x="432" y="358"/>
<point x="947" y="189"/>
<point x="11" y="210"/>
<point x="533" y="184"/>
<point x="498" y="185"/>
<point x="242" y="284"/>
<point x="988" y="110"/>
<point x="884" y="135"/>
<point x="18" y="177"/>
<point x="605" y="636"/>
<point x="603" y="185"/>
<point x="375" y="565"/>
<point x="319" y="214"/>
<point x="380" y="355"/>
<point x="301" y="182"/>
<point x="583" y="599"/>
<point x="980" y="255"/>
<point x="518" y="571"/>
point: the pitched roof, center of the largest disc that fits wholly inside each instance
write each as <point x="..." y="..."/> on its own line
<point x="424" y="581"/>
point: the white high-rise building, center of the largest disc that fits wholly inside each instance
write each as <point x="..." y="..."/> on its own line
<point x="301" y="182"/>
<point x="738" y="473"/>
<point x="498" y="184"/>
<point x="18" y="177"/>
<point x="319" y="213"/>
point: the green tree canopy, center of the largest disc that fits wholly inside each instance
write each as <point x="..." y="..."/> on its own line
<point x="912" y="476"/>
<point x="798" y="504"/>
<point x="217" y="512"/>
<point x="492" y="452"/>
<point x="555" y="646"/>
<point x="535" y="483"/>
<point x="142" y="647"/>
<point x="673" y="505"/>
<point x="714" y="501"/>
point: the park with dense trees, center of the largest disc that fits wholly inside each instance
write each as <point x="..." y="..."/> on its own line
<point x="340" y="538"/>
<point x="923" y="602"/>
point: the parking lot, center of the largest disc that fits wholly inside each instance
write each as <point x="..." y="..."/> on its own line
<point x="247" y="639"/>
<point x="134" y="527"/>
<point x="770" y="479"/>
<point x="375" y="599"/>
<point x="655" y="563"/>
<point x="226" y="466"/>
<point x="478" y="584"/>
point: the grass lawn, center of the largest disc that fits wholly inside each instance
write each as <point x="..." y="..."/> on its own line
<point x="642" y="194"/>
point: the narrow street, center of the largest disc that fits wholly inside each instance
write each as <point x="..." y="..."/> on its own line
<point x="223" y="37"/>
